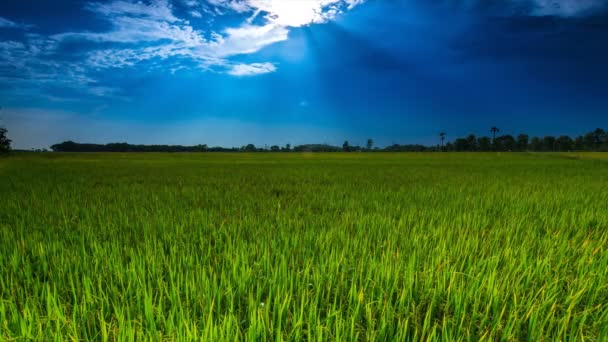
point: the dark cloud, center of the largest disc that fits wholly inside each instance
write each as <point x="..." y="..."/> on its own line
<point x="554" y="45"/>
<point x="507" y="8"/>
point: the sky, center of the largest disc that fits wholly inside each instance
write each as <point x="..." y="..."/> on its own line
<point x="233" y="72"/>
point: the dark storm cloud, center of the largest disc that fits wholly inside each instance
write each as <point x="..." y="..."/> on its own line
<point x="572" y="49"/>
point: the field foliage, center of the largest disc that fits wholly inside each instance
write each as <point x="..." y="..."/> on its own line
<point x="359" y="246"/>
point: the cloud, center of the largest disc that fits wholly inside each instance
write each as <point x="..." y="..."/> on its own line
<point x="103" y="91"/>
<point x="30" y="61"/>
<point x="165" y="37"/>
<point x="566" y="8"/>
<point x="29" y="69"/>
<point x="5" y="23"/>
<point x="251" y="69"/>
<point x="157" y="9"/>
<point x="150" y="32"/>
<point x="248" y="39"/>
<point x="129" y="30"/>
<point x="556" y="8"/>
<point x="239" y="6"/>
<point x="291" y="13"/>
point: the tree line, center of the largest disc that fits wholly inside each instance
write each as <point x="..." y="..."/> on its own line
<point x="70" y="146"/>
<point x="5" y="142"/>
<point x="596" y="140"/>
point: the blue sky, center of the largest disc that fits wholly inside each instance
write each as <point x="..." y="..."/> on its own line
<point x="231" y="72"/>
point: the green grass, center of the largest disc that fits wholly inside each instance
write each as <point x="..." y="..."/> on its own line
<point x="340" y="247"/>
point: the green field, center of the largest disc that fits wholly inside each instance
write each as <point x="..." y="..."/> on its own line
<point x="359" y="246"/>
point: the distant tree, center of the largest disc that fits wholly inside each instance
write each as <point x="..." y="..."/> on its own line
<point x="596" y="140"/>
<point x="406" y="148"/>
<point x="70" y="146"/>
<point x="497" y="145"/>
<point x="579" y="143"/>
<point x="564" y="143"/>
<point x="506" y="143"/>
<point x="536" y="144"/>
<point x="589" y="141"/>
<point x="549" y="143"/>
<point x="5" y="142"/>
<point x="316" y="148"/>
<point x="484" y="143"/>
<point x="471" y="142"/>
<point x="461" y="145"/>
<point x="603" y="142"/>
<point x="494" y="130"/>
<point x="599" y="135"/>
<point x="522" y="142"/>
<point x="200" y="148"/>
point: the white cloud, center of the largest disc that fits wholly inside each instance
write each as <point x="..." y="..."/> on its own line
<point x="157" y="9"/>
<point x="353" y="3"/>
<point x="121" y="58"/>
<point x="239" y="6"/>
<point x="291" y="13"/>
<point x="28" y="68"/>
<point x="103" y="91"/>
<point x="294" y="13"/>
<point x="167" y="36"/>
<point x="149" y="31"/>
<point x="170" y="39"/>
<point x="251" y="69"/>
<point x="134" y="30"/>
<point x="5" y="23"/>
<point x="30" y="61"/>
<point x="248" y="39"/>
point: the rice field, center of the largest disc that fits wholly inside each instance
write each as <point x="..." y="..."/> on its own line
<point x="304" y="247"/>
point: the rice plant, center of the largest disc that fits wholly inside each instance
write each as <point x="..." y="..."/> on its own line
<point x="304" y="247"/>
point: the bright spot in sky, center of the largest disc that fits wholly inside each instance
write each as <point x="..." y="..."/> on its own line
<point x="296" y="13"/>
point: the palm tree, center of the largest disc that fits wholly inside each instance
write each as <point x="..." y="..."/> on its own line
<point x="494" y="130"/>
<point x="442" y="135"/>
<point x="370" y="144"/>
<point x="5" y="142"/>
<point x="598" y="134"/>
